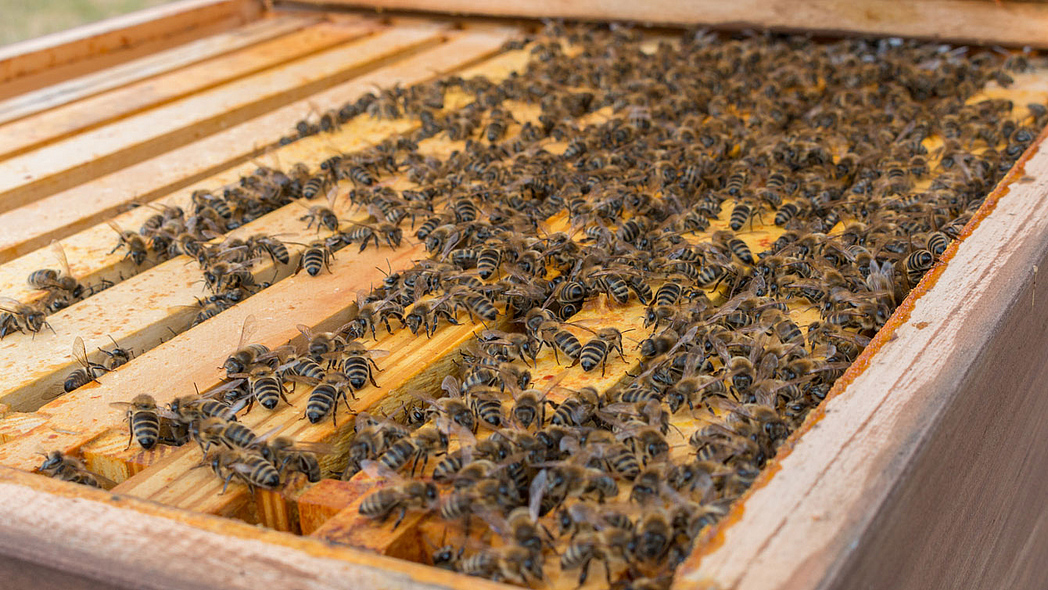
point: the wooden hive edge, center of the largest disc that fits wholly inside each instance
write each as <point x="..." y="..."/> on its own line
<point x="1015" y="24"/>
<point x="151" y="65"/>
<point x="31" y="64"/>
<point x="901" y="407"/>
<point x="97" y="536"/>
<point x="41" y="129"/>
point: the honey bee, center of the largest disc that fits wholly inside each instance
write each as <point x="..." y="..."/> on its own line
<point x="21" y="317"/>
<point x="402" y="496"/>
<point x="595" y="352"/>
<point x="89" y="371"/>
<point x="143" y="417"/>
<point x="250" y="467"/>
<point x="286" y="454"/>
<point x="245" y="355"/>
<point x="59" y="466"/>
<point x="60" y="284"/>
<point x="316" y="257"/>
<point x="137" y="250"/>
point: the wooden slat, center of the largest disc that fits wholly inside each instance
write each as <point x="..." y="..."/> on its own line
<point x="53" y="58"/>
<point x="34" y="226"/>
<point x="89" y="155"/>
<point x="964" y="21"/>
<point x="104" y="314"/>
<point x="154" y="64"/>
<point x="78" y="117"/>
<point x="924" y="422"/>
<point x="173" y="283"/>
<point x="100" y="536"/>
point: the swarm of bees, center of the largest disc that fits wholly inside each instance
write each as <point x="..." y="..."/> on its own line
<point x="867" y="156"/>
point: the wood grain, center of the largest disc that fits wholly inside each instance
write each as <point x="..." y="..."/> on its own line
<point x="34" y="63"/>
<point x="963" y="21"/>
<point x="94" y="535"/>
<point x="58" y="123"/>
<point x="842" y="490"/>
<point x="89" y="155"/>
<point x="154" y="64"/>
<point x="35" y="225"/>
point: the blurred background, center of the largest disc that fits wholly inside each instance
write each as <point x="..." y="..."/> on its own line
<point x="25" y="19"/>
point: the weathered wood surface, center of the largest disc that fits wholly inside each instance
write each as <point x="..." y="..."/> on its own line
<point x="34" y="63"/>
<point x="44" y="128"/>
<point x="967" y="21"/>
<point x="95" y="535"/>
<point x="151" y="65"/>
<point x="80" y="158"/>
<point x="928" y="421"/>
<point x="33" y="226"/>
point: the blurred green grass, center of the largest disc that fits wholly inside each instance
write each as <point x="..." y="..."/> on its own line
<point x="25" y="19"/>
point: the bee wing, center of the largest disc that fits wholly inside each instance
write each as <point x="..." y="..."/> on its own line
<point x="80" y="352"/>
<point x="115" y="227"/>
<point x="10" y="305"/>
<point x="316" y="448"/>
<point x="378" y="353"/>
<point x="60" y="255"/>
<point x="376" y="470"/>
<point x="451" y="386"/>
<point x="267" y="435"/>
<point x="332" y="194"/>
<point x="230" y="385"/>
<point x="304" y="329"/>
<point x="247" y="330"/>
<point x="535" y="493"/>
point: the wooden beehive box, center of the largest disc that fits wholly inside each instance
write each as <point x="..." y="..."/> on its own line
<point x="924" y="468"/>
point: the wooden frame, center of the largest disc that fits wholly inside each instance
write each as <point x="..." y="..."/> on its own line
<point x="921" y="420"/>
<point x="33" y="63"/>
<point x="959" y="21"/>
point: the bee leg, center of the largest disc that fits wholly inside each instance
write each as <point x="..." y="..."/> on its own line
<point x="584" y="574"/>
<point x="130" y="439"/>
<point x="403" y="512"/>
<point x="371" y="378"/>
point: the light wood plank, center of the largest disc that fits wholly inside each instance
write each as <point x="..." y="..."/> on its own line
<point x="964" y="21"/>
<point x="149" y="66"/>
<point x="35" y="225"/>
<point x="134" y="139"/>
<point x="105" y="314"/>
<point x="35" y="131"/>
<point x="99" y="536"/>
<point x="806" y="518"/>
<point x="34" y="63"/>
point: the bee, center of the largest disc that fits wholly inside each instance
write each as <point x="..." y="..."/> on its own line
<point x="595" y="352"/>
<point x="402" y="496"/>
<point x="357" y="362"/>
<point x="426" y="315"/>
<point x="363" y="233"/>
<point x="60" y="283"/>
<point x="250" y="467"/>
<point x="117" y="357"/>
<point x="741" y="214"/>
<point x="285" y="454"/>
<point x="917" y="264"/>
<point x="324" y="397"/>
<point x="322" y="215"/>
<point x="89" y="371"/>
<point x="245" y="355"/>
<point x="65" y="468"/>
<point x="370" y="315"/>
<point x="269" y="245"/>
<point x="316" y="257"/>
<point x="136" y="246"/>
<point x="265" y="386"/>
<point x="477" y="305"/>
<point x="559" y="339"/>
<point x="229" y="434"/>
<point x="143" y="417"/>
<point x="21" y="317"/>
